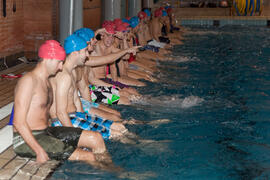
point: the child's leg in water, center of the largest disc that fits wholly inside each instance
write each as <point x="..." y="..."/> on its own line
<point x="121" y="133"/>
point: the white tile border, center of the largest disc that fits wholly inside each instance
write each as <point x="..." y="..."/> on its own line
<point x="6" y="135"/>
<point x="5" y="111"/>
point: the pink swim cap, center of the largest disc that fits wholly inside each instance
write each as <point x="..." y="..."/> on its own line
<point x="109" y="29"/>
<point x="52" y="49"/>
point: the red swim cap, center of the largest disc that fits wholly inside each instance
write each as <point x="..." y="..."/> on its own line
<point x="158" y="12"/>
<point x="105" y="23"/>
<point x="125" y="24"/>
<point x="52" y="49"/>
<point x="169" y="10"/>
<point x="162" y="8"/>
<point x="109" y="29"/>
<point x="117" y="22"/>
<point x="121" y="28"/>
<point x="142" y="15"/>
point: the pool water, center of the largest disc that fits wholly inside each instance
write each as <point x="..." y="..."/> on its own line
<point x="216" y="96"/>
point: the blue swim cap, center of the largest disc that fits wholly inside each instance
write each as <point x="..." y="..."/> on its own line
<point x="126" y="21"/>
<point x="164" y="13"/>
<point x="147" y="12"/>
<point x="134" y="21"/>
<point x="135" y="18"/>
<point x="74" y="43"/>
<point x="90" y="32"/>
<point x="85" y="33"/>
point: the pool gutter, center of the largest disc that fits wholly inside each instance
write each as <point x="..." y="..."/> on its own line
<point x="224" y="20"/>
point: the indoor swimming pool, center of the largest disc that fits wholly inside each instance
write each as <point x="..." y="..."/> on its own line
<point x="208" y="116"/>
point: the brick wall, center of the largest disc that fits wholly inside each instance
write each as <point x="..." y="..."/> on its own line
<point x="11" y="29"/>
<point x="24" y="30"/>
<point x="34" y="22"/>
<point x="39" y="24"/>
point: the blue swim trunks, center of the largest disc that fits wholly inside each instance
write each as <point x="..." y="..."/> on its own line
<point x="87" y="105"/>
<point x="90" y="123"/>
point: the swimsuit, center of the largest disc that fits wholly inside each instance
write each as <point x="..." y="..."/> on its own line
<point x="107" y="95"/>
<point x="87" y="105"/>
<point x="88" y="122"/>
<point x="116" y="83"/>
<point x="131" y="58"/>
<point x="58" y="142"/>
<point x="155" y="43"/>
<point x="133" y="66"/>
<point x="151" y="47"/>
<point x="117" y="67"/>
<point x="174" y="28"/>
<point x="164" y="40"/>
<point x="108" y="69"/>
<point x="164" y="30"/>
